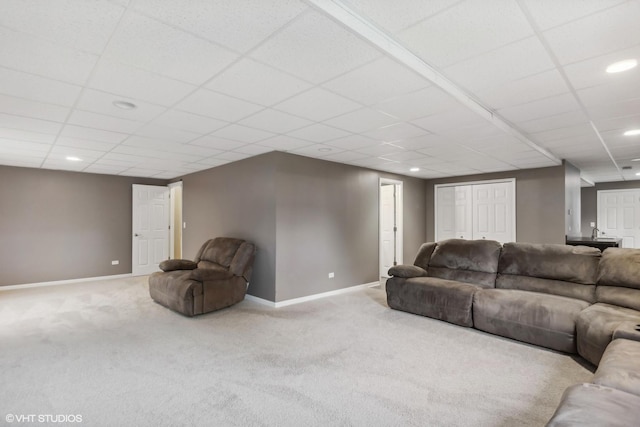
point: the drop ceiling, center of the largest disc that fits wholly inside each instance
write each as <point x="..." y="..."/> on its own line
<point x="450" y="87"/>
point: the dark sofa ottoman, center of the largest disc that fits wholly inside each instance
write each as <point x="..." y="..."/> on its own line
<point x="592" y="405"/>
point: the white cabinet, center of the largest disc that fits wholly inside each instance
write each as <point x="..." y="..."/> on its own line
<point x="476" y="211"/>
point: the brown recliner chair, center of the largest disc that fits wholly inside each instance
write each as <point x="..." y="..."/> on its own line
<point x="217" y="278"/>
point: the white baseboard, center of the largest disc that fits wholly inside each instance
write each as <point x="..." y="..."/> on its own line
<point x="309" y="297"/>
<point x="63" y="282"/>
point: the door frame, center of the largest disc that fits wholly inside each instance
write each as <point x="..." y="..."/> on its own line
<point x="398" y="211"/>
<point x="173" y="204"/>
<point x="512" y="181"/>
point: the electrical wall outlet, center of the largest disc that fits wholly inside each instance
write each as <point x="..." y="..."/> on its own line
<point x="332" y="275"/>
<point x="115" y="262"/>
<point x="592" y="224"/>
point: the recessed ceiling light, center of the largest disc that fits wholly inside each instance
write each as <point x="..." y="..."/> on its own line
<point x="632" y="132"/>
<point x="635" y="160"/>
<point x="125" y="105"/>
<point x="637" y="173"/>
<point x="414" y="169"/>
<point x="74" y="159"/>
<point x="325" y="149"/>
<point x="620" y="66"/>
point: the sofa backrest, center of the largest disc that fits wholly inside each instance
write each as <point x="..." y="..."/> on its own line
<point x="569" y="271"/>
<point x="220" y="251"/>
<point x="618" y="280"/>
<point x="424" y="255"/>
<point x="470" y="261"/>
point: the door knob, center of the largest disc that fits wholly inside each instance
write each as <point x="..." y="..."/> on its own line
<point x="137" y="235"/>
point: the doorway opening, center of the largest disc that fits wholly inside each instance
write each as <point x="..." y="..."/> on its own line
<point x="391" y="230"/>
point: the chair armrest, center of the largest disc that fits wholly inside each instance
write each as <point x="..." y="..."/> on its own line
<point x="628" y="330"/>
<point x="177" y="264"/>
<point x="407" y="271"/>
<point x="207" y="274"/>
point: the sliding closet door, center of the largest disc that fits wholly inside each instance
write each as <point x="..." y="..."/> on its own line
<point x="453" y="216"/>
<point x="493" y="212"/>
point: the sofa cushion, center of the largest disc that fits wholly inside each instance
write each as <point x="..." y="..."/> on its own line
<point x="619" y="278"/>
<point x="433" y="297"/>
<point x="470" y="261"/>
<point x="569" y="271"/>
<point x="592" y="405"/>
<point x="619" y="367"/>
<point x="595" y="326"/>
<point x="541" y="319"/>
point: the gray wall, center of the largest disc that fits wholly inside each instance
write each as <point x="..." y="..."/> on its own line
<point x="308" y="217"/>
<point x="540" y="202"/>
<point x="590" y="201"/>
<point x="235" y="200"/>
<point x="58" y="225"/>
<point x="327" y="221"/>
<point x="572" y="205"/>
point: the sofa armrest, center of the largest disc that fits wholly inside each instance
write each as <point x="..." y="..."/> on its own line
<point x="177" y="264"/>
<point x="207" y="274"/>
<point x="407" y="271"/>
<point x="628" y="330"/>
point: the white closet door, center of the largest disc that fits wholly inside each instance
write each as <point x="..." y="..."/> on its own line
<point x="493" y="212"/>
<point x="618" y="216"/>
<point x="454" y="212"/>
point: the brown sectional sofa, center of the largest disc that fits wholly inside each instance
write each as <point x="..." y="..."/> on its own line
<point x="573" y="299"/>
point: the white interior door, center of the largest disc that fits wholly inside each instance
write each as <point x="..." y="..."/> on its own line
<point x="454" y="212"/>
<point x="390" y="226"/>
<point x="150" y="224"/>
<point x="618" y="216"/>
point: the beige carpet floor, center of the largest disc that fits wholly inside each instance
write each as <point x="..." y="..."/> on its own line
<point x="107" y="352"/>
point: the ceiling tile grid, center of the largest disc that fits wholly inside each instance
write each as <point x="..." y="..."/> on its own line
<point x="450" y="86"/>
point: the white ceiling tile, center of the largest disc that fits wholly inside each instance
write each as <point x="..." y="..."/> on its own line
<point x="232" y="156"/>
<point x="466" y="30"/>
<point x="419" y="142"/>
<point x="92" y="134"/>
<point x="608" y="94"/>
<point x="597" y="34"/>
<point x="396" y="132"/>
<point x="212" y="162"/>
<point x="239" y="24"/>
<point x="353" y="142"/>
<point x="275" y="121"/>
<point x="541" y="108"/>
<point x="60" y="153"/>
<point x="317" y="151"/>
<point x="315" y="48"/>
<point x="624" y="108"/>
<point x="102" y="122"/>
<point x="217" y="105"/>
<point x="9" y="146"/>
<point x="155" y="154"/>
<point x="36" y="110"/>
<point x="284" y="143"/>
<point x="37" y="56"/>
<point x="217" y="143"/>
<point x="377" y="81"/>
<point x="551" y="13"/>
<point x="558" y="121"/>
<point x="101" y="102"/>
<point x="104" y="169"/>
<point x="135" y="83"/>
<point x="452" y="119"/>
<point x="345" y="156"/>
<point x="257" y="83"/>
<point x="318" y="133"/>
<point x="26" y="123"/>
<point x="406" y="156"/>
<point x="362" y="120"/>
<point x="242" y="133"/>
<point x="160" y="132"/>
<point x="620" y="124"/>
<point x="35" y="88"/>
<point x="508" y="63"/>
<point x="79" y="24"/>
<point x="399" y="14"/>
<point x="190" y="122"/>
<point x="372" y="162"/>
<point x="581" y="132"/>
<point x="24" y="135"/>
<point x="85" y="143"/>
<point x="543" y="85"/>
<point x="62" y="164"/>
<point x="21" y="161"/>
<point x="317" y="104"/>
<point x="592" y="71"/>
<point x="379" y="150"/>
<point x="160" y="48"/>
<point x="419" y="104"/>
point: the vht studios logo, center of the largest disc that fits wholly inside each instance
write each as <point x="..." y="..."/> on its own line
<point x="43" y="418"/>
